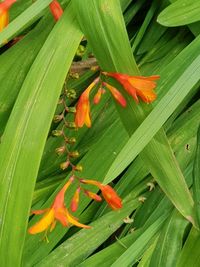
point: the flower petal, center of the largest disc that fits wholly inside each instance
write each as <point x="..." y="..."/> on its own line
<point x="116" y="94"/>
<point x="56" y="9"/>
<point x="93" y="195"/>
<point x="73" y="221"/>
<point x="111" y="197"/>
<point x="75" y="200"/>
<point x="59" y="199"/>
<point x="82" y="115"/>
<point x="60" y="215"/>
<point x="97" y="96"/>
<point x="147" y="95"/>
<point x="43" y="223"/>
<point x="38" y="212"/>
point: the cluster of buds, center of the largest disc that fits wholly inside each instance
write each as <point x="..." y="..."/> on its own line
<point x="59" y="212"/>
<point x="135" y="86"/>
<point x="68" y="142"/>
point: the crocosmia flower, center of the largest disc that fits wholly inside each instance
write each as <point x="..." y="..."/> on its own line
<point x="109" y="194"/>
<point x="4" y="13"/>
<point x="57" y="212"/>
<point x="75" y="200"/>
<point x="137" y="85"/>
<point x="83" y="107"/>
<point x="56" y="9"/>
<point x="116" y="94"/>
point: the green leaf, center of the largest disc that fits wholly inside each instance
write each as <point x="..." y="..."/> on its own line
<point x="19" y="57"/>
<point x="170" y="241"/>
<point x="133" y="253"/>
<point x="182" y="12"/>
<point x="26" y="133"/>
<point x="190" y="253"/>
<point x="196" y="180"/>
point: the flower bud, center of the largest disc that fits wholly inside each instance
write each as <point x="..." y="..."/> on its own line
<point x="71" y="140"/>
<point x="70" y="125"/>
<point x="80" y="51"/>
<point x="64" y="165"/>
<point x="78" y="168"/>
<point x="60" y="101"/>
<point x="70" y="93"/>
<point x="93" y="195"/>
<point x="75" y="200"/>
<point x="57" y="132"/>
<point x="74" y="154"/>
<point x="74" y="75"/>
<point x="70" y="109"/>
<point x="60" y="150"/>
<point x="58" y="118"/>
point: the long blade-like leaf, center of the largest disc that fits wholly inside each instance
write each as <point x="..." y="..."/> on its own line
<point x="26" y="132"/>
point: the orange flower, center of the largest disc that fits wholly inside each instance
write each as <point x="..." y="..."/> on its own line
<point x="56" y="9"/>
<point x="98" y="95"/>
<point x="137" y="85"/>
<point x="111" y="197"/>
<point x="75" y="200"/>
<point x="109" y="194"/>
<point x="92" y="195"/>
<point x="4" y="15"/>
<point x="116" y="94"/>
<point x="83" y="107"/>
<point x="57" y="212"/>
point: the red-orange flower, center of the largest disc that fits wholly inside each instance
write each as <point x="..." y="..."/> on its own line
<point x="56" y="9"/>
<point x="57" y="212"/>
<point x="93" y="195"/>
<point x="116" y="94"/>
<point x="83" y="107"/>
<point x="98" y="95"/>
<point x="137" y="85"/>
<point x="4" y="14"/>
<point x="75" y="200"/>
<point x="109" y="194"/>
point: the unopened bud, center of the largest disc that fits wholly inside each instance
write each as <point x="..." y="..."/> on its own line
<point x="71" y="140"/>
<point x="80" y="51"/>
<point x="57" y="132"/>
<point x="74" y="75"/>
<point x="94" y="68"/>
<point x="70" y="109"/>
<point x="75" y="200"/>
<point x="74" y="154"/>
<point x="57" y="118"/>
<point x="60" y="150"/>
<point x="64" y="165"/>
<point x="78" y="168"/>
<point x="70" y="125"/>
<point x="142" y="199"/>
<point x="60" y="101"/>
<point x="70" y="93"/>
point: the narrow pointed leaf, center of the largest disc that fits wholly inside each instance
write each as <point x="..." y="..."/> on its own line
<point x="196" y="179"/>
<point x="182" y="12"/>
<point x="26" y="133"/>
